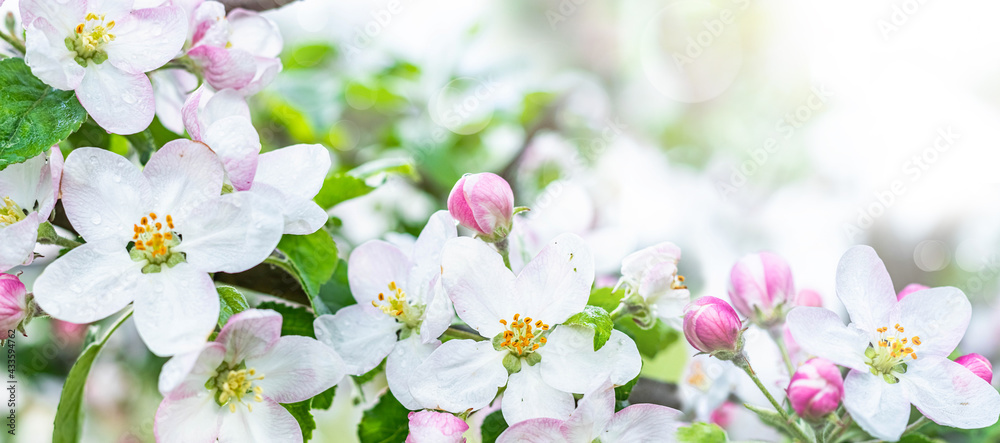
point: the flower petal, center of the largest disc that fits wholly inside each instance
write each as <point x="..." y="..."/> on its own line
<point x="864" y="287"/>
<point x="427" y="251"/>
<point x="224" y="68"/>
<point x="297" y="170"/>
<point x="361" y="335"/>
<point x="18" y="242"/>
<point x="939" y="316"/>
<point x="147" y="38"/>
<point x="171" y="88"/>
<point x="47" y="191"/>
<point x="435" y="427"/>
<point x="569" y="362"/>
<point x="250" y="333"/>
<point x="479" y="285"/>
<point x="592" y="414"/>
<point x="48" y="57"/>
<point x="236" y="142"/>
<point x="408" y="354"/>
<point x="372" y="266"/>
<point x="949" y="394"/>
<point x="183" y="173"/>
<point x="528" y="397"/>
<point x="176" y="309"/>
<point x="297" y="368"/>
<point x="87" y="284"/>
<point x="439" y="314"/>
<point x="459" y="375"/>
<point x="301" y="216"/>
<point x="21" y="181"/>
<point x="268" y="422"/>
<point x="188" y="418"/>
<point x="642" y="423"/>
<point x="539" y="430"/>
<point x="64" y="16"/>
<point x="186" y="373"/>
<point x="120" y="102"/>
<point x="820" y="332"/>
<point x="267" y="69"/>
<point x="230" y="233"/>
<point x="558" y="279"/>
<point x="103" y="195"/>
<point x="254" y="33"/>
<point x="881" y="409"/>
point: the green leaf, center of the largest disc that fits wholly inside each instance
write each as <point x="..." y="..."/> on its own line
<point x="920" y="438"/>
<point x="769" y="416"/>
<point x="339" y="188"/>
<point x="701" y="432"/>
<point x="606" y="299"/>
<point x="595" y="318"/>
<point x="69" y="414"/>
<point x="493" y="426"/>
<point x="623" y="392"/>
<point x="231" y="302"/>
<point x="302" y="415"/>
<point x="386" y="422"/>
<point x="313" y="257"/>
<point x="336" y="293"/>
<point x="649" y="341"/>
<point x="534" y="104"/>
<point x="33" y="115"/>
<point x="308" y="56"/>
<point x="325" y="399"/>
<point x="294" y="320"/>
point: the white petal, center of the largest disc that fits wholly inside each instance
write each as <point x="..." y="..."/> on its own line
<point x="439" y="314"/>
<point x="186" y="373"/>
<point x="459" y="375"/>
<point x="48" y="58"/>
<point x="939" y="316"/>
<point x="120" y="102"/>
<point x="266" y="69"/>
<point x="104" y="195"/>
<point x="192" y="418"/>
<point x="949" y="394"/>
<point x="250" y="333"/>
<point x="89" y="283"/>
<point x="643" y="423"/>
<point x="269" y="422"/>
<point x="569" y="362"/>
<point x="64" y="16"/>
<point x="880" y="409"/>
<point x="558" y="280"/>
<point x="236" y="142"/>
<point x="147" y="38"/>
<point x="297" y="368"/>
<point x="360" y="334"/>
<point x="372" y="266"/>
<point x="820" y="332"/>
<point x="528" y="397"/>
<point x="223" y="104"/>
<point x="230" y="233"/>
<point x="302" y="216"/>
<point x="479" y="285"/>
<point x="297" y="170"/>
<point x="427" y="252"/>
<point x="171" y="87"/>
<point x="47" y="191"/>
<point x="401" y="365"/>
<point x="176" y="309"/>
<point x="541" y="430"/>
<point x="115" y="9"/>
<point x="183" y="173"/>
<point x="18" y="242"/>
<point x="254" y="33"/>
<point x="592" y="414"/>
<point x="21" y="181"/>
<point x="864" y="287"/>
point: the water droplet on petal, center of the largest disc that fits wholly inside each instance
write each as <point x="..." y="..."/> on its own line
<point x="128" y="98"/>
<point x="95" y="219"/>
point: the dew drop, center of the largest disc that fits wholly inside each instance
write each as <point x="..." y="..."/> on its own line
<point x="93" y="160"/>
<point x="128" y="98"/>
<point x="95" y="219"/>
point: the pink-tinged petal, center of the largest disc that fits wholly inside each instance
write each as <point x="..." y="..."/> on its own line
<point x="762" y="280"/>
<point x="176" y="309"/>
<point x="864" y="287"/>
<point x="254" y="33"/>
<point x="643" y="423"/>
<point x="557" y="281"/>
<point x="224" y="68"/>
<point x="297" y="171"/>
<point x="459" y="375"/>
<point x="171" y="88"/>
<point x="569" y="362"/>
<point x="435" y="427"/>
<point x="297" y="368"/>
<point x="223" y="104"/>
<point x="539" y="430"/>
<point x="48" y="190"/>
<point x="64" y="16"/>
<point x="269" y="422"/>
<point x="148" y="38"/>
<point x="662" y="256"/>
<point x="459" y="207"/>
<point x="881" y="409"/>
<point x="592" y="414"/>
<point x="48" y="58"/>
<point x="103" y="195"/>
<point x="949" y="394"/>
<point x="267" y="69"/>
<point x="909" y="289"/>
<point x="237" y="144"/>
<point x="208" y="23"/>
<point x="939" y="316"/>
<point x="250" y="333"/>
<point x="183" y="173"/>
<point x="188" y="419"/>
<point x="809" y="297"/>
<point x="301" y="216"/>
<point x="18" y="242"/>
<point x="978" y="364"/>
<point x="115" y="9"/>
<point x="480" y="286"/>
<point x="89" y="283"/>
<point x="185" y="374"/>
<point x="13" y="302"/>
<point x="120" y="102"/>
<point x="820" y="332"/>
<point x="372" y="266"/>
<point x="405" y="356"/>
<point x="230" y="233"/>
<point x="491" y="200"/>
<point x="189" y="113"/>
<point x="360" y="334"/>
<point x="528" y="397"/>
<point x="425" y="273"/>
<point x="816" y="389"/>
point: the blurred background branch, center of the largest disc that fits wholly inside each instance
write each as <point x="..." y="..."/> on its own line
<point x="255" y="5"/>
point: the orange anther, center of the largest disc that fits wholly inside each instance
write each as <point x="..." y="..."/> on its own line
<point x="152" y="215"/>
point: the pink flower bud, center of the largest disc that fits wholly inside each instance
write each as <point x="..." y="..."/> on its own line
<point x="909" y="289"/>
<point x="13" y="302"/>
<point x="816" y="389"/>
<point x="978" y="364"/>
<point x="483" y="203"/>
<point x="725" y="414"/>
<point x="808" y="297"/>
<point x="760" y="285"/>
<point x="712" y="326"/>
<point x="436" y="427"/>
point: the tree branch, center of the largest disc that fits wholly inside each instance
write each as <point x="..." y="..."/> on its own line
<point x="255" y="5"/>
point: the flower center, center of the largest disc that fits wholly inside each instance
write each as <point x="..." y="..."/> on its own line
<point x="154" y="245"/>
<point x="89" y="38"/>
<point x="520" y="336"/>
<point x="10" y="212"/>
<point x="698" y="378"/>
<point x="396" y="305"/>
<point x="887" y="356"/>
<point x="236" y="384"/>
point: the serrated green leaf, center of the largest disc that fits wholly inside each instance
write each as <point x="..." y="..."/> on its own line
<point x="605" y="298"/>
<point x="314" y="259"/>
<point x="294" y="320"/>
<point x="386" y="422"/>
<point x="649" y="341"/>
<point x="69" y="414"/>
<point x="595" y="318"/>
<point x="325" y="399"/>
<point x="33" y="115"/>
<point x="493" y="425"/>
<point x="231" y="302"/>
<point x="302" y="414"/>
<point x="340" y="188"/>
<point x="701" y="432"/>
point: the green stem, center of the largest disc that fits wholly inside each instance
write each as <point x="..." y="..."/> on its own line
<point x="741" y="362"/>
<point x="463" y="334"/>
<point x="47" y="236"/>
<point x="915" y="426"/>
<point x="504" y="250"/>
<point x="13" y="41"/>
<point x="845" y="423"/>
<point x="287" y="267"/>
<point x="619" y="312"/>
<point x="779" y="339"/>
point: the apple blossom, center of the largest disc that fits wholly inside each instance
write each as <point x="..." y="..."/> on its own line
<point x="222" y="122"/>
<point x="897" y="350"/>
<point x="909" y="289"/>
<point x="541" y="364"/>
<point x="978" y="364"/>
<point x="15" y="304"/>
<point x="653" y="289"/>
<point x="435" y="427"/>
<point x="595" y="420"/>
<point x="713" y="327"/>
<point x="809" y="297"/>
<point x="401" y="310"/>
<point x="230" y="388"/>
<point x="816" y="389"/>
<point x="761" y="288"/>
<point x="152" y="238"/>
<point x="102" y="50"/>
<point x="483" y="203"/>
<point x="28" y="192"/>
